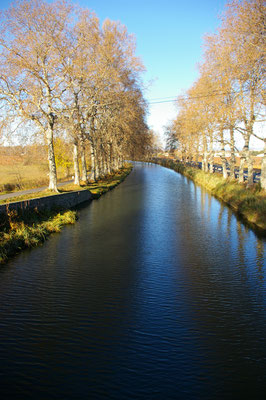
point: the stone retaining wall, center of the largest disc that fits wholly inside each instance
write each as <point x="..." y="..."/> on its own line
<point x="64" y="201"/>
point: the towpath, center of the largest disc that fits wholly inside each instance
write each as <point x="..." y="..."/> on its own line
<point x="29" y="191"/>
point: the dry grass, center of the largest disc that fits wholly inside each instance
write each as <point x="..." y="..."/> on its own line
<point x="249" y="203"/>
<point x="30" y="229"/>
<point x="19" y="176"/>
<point x="96" y="188"/>
<point x="20" y="231"/>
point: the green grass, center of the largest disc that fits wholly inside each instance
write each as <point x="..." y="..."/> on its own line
<point x="30" y="229"/>
<point x="248" y="203"/>
<point x="19" y="231"/>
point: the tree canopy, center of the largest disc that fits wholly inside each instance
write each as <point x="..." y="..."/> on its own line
<point x="68" y="76"/>
<point x="229" y="95"/>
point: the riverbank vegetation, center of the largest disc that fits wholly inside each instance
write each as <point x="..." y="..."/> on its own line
<point x="100" y="187"/>
<point x="224" y="110"/>
<point x="73" y="86"/>
<point x="19" y="231"/>
<point x="248" y="203"/>
<point x="28" y="229"/>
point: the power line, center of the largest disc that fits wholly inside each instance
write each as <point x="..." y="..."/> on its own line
<point x="162" y="101"/>
<point x="162" y="98"/>
<point x="211" y="94"/>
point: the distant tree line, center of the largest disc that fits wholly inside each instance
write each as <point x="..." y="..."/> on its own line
<point x="63" y="74"/>
<point x="229" y="95"/>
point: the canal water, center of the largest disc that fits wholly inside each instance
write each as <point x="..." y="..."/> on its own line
<point x="157" y="292"/>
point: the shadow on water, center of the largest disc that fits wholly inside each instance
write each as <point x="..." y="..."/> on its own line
<point x="158" y="291"/>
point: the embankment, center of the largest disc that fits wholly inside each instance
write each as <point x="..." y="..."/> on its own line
<point x="60" y="201"/>
<point x="27" y="223"/>
<point x="248" y="203"/>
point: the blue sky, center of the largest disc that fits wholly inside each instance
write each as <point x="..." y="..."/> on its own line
<point x="169" y="37"/>
<point x="169" y="41"/>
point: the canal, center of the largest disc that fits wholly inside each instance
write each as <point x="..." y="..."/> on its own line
<point x="157" y="292"/>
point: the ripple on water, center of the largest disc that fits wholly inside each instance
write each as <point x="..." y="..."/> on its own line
<point x="157" y="292"/>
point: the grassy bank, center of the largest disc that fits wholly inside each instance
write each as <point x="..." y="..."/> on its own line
<point x="20" y="231"/>
<point x="96" y="188"/>
<point x="102" y="185"/>
<point x="248" y="203"/>
<point x="30" y="229"/>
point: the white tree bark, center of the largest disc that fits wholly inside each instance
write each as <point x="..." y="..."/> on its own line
<point x="84" y="175"/>
<point x="76" y="164"/>
<point x="263" y="169"/>
<point x="51" y="160"/>
<point x="223" y="158"/>
<point x="232" y="153"/>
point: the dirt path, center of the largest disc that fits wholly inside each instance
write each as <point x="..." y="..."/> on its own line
<point x="29" y="191"/>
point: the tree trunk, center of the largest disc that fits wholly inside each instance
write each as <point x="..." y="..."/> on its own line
<point x="211" y="154"/>
<point x="92" y="174"/>
<point x="232" y="153"/>
<point x="51" y="159"/>
<point x="84" y="175"/>
<point x="250" y="169"/>
<point x="241" y="168"/>
<point x="101" y="162"/>
<point x="263" y="169"/>
<point x="245" y="156"/>
<point x="109" y="158"/>
<point x="76" y="163"/>
<point x="183" y="156"/>
<point x="197" y="152"/>
<point x="120" y="161"/>
<point x="204" y="161"/>
<point x="92" y="149"/>
<point x="223" y="157"/>
<point x="96" y="162"/>
<point x="248" y="156"/>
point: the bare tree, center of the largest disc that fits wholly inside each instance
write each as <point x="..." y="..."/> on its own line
<point x="31" y="73"/>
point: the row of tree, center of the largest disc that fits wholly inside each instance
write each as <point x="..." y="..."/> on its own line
<point x="63" y="74"/>
<point x="228" y="98"/>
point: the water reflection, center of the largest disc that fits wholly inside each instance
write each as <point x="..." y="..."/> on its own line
<point x="157" y="292"/>
<point x="260" y="259"/>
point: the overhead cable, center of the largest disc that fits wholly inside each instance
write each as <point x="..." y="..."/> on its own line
<point x="184" y="98"/>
